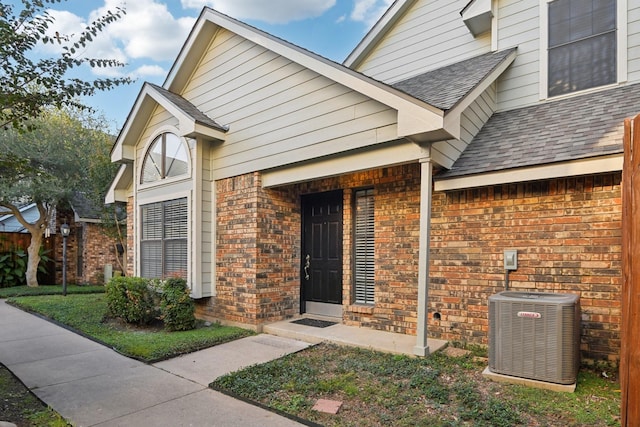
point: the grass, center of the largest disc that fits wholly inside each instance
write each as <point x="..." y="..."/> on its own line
<point x="19" y="406"/>
<point x="20" y="291"/>
<point x="88" y="315"/>
<point x="382" y="389"/>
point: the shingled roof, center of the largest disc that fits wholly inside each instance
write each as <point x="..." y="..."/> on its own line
<point x="188" y="108"/>
<point x="445" y="87"/>
<point x="580" y="127"/>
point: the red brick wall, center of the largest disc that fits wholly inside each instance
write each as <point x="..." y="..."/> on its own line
<point x="568" y="236"/>
<point x="98" y="250"/>
<point x="258" y="249"/>
<point x="258" y="242"/>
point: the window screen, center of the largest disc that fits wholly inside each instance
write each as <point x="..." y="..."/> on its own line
<point x="582" y="45"/>
<point x="364" y="247"/>
<point x="163" y="245"/>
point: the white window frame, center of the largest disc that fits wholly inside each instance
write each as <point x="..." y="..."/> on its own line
<point x="621" y="54"/>
<point x="145" y="151"/>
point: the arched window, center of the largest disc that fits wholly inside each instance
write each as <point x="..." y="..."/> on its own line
<point x="167" y="157"/>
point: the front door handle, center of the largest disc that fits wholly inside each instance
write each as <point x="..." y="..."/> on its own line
<point x="307" y="264"/>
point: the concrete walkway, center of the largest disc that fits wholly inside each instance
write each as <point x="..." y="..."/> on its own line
<point x="92" y="385"/>
<point x="387" y="342"/>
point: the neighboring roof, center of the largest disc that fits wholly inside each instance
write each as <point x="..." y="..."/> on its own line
<point x="84" y="209"/>
<point x="580" y="127"/>
<point x="188" y="108"/>
<point x="9" y="223"/>
<point x="445" y="87"/>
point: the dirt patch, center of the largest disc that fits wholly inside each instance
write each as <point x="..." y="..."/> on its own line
<point x="21" y="407"/>
<point x="455" y="352"/>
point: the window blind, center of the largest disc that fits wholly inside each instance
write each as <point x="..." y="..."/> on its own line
<point x="364" y="247"/>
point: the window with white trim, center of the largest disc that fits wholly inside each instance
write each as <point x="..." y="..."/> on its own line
<point x="364" y="248"/>
<point x="167" y="157"/>
<point x="582" y="45"/>
<point x="163" y="241"/>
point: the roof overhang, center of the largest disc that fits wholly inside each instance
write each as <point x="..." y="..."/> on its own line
<point x="118" y="190"/>
<point x="146" y="102"/>
<point x="415" y="117"/>
<point x="477" y="16"/>
<point x="594" y="165"/>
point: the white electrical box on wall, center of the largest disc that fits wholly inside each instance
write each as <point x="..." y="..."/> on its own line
<point x="510" y="259"/>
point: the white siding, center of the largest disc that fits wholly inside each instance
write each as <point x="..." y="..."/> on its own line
<point x="472" y="120"/>
<point x="429" y="36"/>
<point x="633" y="46"/>
<point x="518" y="25"/>
<point x="279" y="112"/>
<point x="432" y="34"/>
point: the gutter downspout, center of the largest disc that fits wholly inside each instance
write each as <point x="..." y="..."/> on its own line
<point x="426" y="192"/>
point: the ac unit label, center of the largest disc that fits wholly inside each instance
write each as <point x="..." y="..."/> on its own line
<point x="529" y="314"/>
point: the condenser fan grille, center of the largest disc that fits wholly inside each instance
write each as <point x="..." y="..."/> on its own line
<point x="535" y="335"/>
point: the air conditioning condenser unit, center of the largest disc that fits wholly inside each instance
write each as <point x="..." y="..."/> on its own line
<point x="535" y="335"/>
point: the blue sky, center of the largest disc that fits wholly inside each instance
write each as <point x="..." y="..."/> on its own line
<point x="150" y="35"/>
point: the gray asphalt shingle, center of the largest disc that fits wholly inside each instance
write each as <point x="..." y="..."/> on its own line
<point x="580" y="127"/>
<point x="445" y="87"/>
<point x="188" y="108"/>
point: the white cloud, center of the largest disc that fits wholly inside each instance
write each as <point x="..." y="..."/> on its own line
<point x="148" y="71"/>
<point x="272" y="11"/>
<point x="369" y="11"/>
<point x="147" y="30"/>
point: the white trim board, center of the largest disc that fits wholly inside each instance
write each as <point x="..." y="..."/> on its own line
<point x="557" y="170"/>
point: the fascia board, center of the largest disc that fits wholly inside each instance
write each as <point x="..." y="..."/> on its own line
<point x="557" y="170"/>
<point x="377" y="32"/>
<point x="477" y="16"/>
<point x="120" y="182"/>
<point x="416" y="116"/>
<point x="453" y="116"/>
<point x="133" y="126"/>
<point x="194" y="129"/>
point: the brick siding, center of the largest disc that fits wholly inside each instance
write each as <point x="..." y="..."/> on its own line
<point x="97" y="250"/>
<point x="566" y="231"/>
<point x="258" y="242"/>
<point x="258" y="249"/>
<point x="568" y="236"/>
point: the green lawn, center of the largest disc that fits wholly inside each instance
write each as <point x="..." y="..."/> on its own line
<point x="440" y="390"/>
<point x="19" y="291"/>
<point x="88" y="314"/>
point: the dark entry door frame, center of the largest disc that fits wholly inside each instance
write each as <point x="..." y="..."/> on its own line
<point x="321" y="267"/>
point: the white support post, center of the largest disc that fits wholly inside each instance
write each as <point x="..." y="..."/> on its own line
<point x="426" y="172"/>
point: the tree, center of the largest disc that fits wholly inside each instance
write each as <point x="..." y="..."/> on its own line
<point x="29" y="83"/>
<point x="62" y="148"/>
<point x="41" y="147"/>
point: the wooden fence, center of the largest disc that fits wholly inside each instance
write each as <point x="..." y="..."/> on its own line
<point x="11" y="241"/>
<point x="630" y="351"/>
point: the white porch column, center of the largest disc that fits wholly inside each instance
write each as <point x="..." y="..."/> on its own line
<point x="426" y="173"/>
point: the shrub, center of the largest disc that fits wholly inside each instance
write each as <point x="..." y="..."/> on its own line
<point x="176" y="306"/>
<point x="131" y="299"/>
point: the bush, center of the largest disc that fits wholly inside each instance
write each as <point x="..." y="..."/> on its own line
<point x="131" y="299"/>
<point x="176" y="306"/>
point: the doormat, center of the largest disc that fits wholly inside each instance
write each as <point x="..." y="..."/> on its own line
<point x="316" y="323"/>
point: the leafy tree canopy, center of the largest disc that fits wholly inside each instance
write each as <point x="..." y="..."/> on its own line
<point x="46" y="144"/>
<point x="27" y="82"/>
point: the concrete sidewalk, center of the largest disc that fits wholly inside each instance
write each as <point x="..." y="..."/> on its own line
<point x="92" y="385"/>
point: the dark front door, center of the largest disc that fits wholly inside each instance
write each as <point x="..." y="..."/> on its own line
<point x="322" y="253"/>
